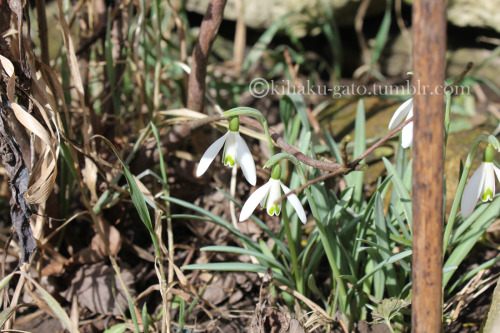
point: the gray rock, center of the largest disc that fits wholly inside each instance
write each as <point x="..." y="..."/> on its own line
<point x="459" y="58"/>
<point x="398" y="61"/>
<point x="261" y="14"/>
<point x="475" y="13"/>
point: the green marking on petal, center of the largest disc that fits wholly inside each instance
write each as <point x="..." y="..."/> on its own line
<point x="274" y="210"/>
<point x="487" y="195"/>
<point x="228" y="160"/>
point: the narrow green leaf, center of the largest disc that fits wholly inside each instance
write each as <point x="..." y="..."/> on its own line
<point x="238" y="250"/>
<point x="136" y="195"/>
<point x="216" y="219"/>
<point x="393" y="259"/>
<point x="237" y="267"/>
<point x="404" y="195"/>
<point x="298" y="102"/>
<point x="382" y="33"/>
<point x="118" y="328"/>
<point x="145" y="318"/>
<point x="5" y="280"/>
<point x="355" y="178"/>
<point x="54" y="306"/>
<point x="262" y="44"/>
<point x="8" y="312"/>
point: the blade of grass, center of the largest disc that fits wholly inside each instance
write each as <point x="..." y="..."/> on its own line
<point x="53" y="305"/>
<point x="355" y="178"/>
<point x="237" y="267"/>
<point x="238" y="250"/>
<point x="401" y="190"/>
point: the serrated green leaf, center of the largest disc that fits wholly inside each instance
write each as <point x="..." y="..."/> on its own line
<point x="388" y="308"/>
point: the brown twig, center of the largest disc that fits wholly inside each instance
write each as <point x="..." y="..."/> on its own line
<point x="461" y="77"/>
<point x="380" y="142"/>
<point x="351" y="166"/>
<point x="334" y="168"/>
<point x="328" y="166"/>
<point x="208" y="33"/>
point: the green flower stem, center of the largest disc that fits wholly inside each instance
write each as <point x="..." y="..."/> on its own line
<point x="254" y="113"/>
<point x="268" y="136"/>
<point x="293" y="251"/>
<point x="460" y="190"/>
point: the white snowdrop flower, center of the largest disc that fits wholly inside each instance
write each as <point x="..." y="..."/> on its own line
<point x="405" y="110"/>
<point x="235" y="151"/>
<point x="267" y="195"/>
<point x="482" y="183"/>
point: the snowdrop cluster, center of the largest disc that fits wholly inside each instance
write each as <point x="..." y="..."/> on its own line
<point x="235" y="153"/>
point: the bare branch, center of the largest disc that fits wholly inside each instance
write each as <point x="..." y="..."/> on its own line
<point x="208" y="33"/>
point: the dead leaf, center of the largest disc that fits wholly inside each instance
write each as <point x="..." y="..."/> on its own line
<point x="97" y="249"/>
<point x="40" y="190"/>
<point x="93" y="286"/>
<point x="7" y="66"/>
<point x="17" y="171"/>
<point x="91" y="254"/>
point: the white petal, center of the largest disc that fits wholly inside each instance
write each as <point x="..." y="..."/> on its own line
<point x="294" y="200"/>
<point x="401" y="113"/>
<point x="253" y="201"/>
<point x="274" y="194"/>
<point x="407" y="135"/>
<point x="210" y="154"/>
<point x="488" y="182"/>
<point x="230" y="149"/>
<point x="245" y="160"/>
<point x="497" y="172"/>
<point x="472" y="191"/>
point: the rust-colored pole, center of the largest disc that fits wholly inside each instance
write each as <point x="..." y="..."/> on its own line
<point x="429" y="46"/>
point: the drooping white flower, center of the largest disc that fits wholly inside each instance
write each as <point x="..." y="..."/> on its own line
<point x="482" y="183"/>
<point x="405" y="110"/>
<point x="267" y="195"/>
<point x="235" y="151"/>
